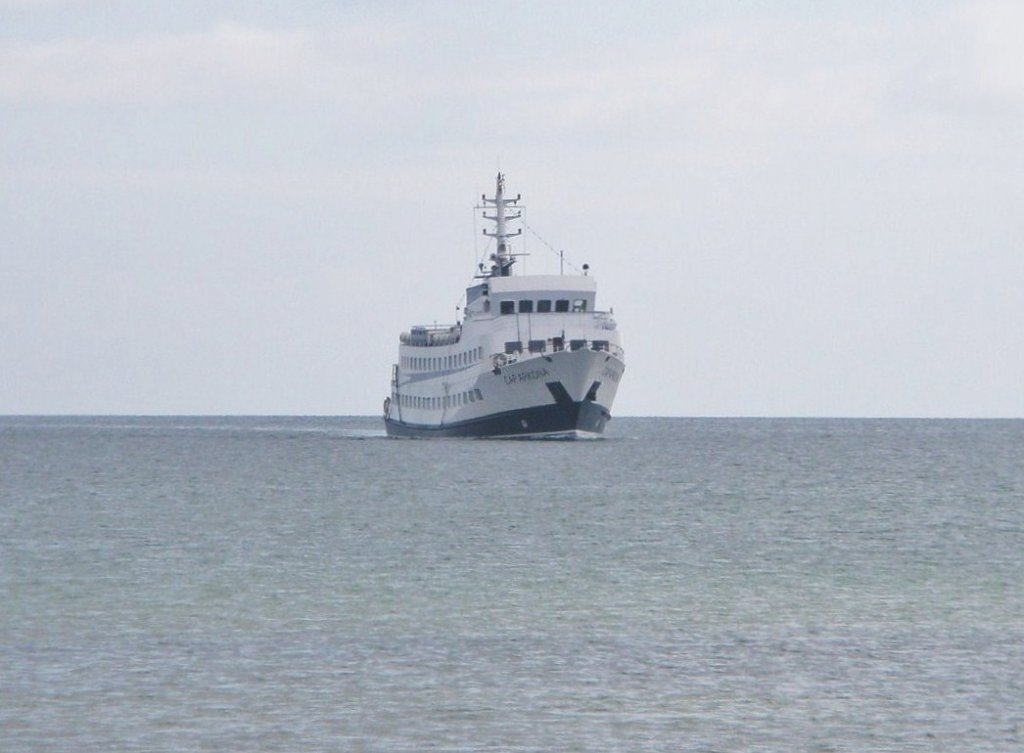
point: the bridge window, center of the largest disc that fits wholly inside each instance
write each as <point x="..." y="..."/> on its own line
<point x="508" y="307"/>
<point x="513" y="346"/>
<point x="562" y="305"/>
<point x="537" y="346"/>
<point x="580" y="304"/>
<point x="543" y="307"/>
<point x="526" y="307"/>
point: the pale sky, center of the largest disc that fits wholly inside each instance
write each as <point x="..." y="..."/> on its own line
<point x="794" y="208"/>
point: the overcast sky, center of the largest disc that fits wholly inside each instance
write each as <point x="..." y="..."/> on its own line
<point x="794" y="208"/>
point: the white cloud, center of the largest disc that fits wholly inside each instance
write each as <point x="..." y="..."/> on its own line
<point x="230" y="62"/>
<point x="745" y="79"/>
<point x="997" y="42"/>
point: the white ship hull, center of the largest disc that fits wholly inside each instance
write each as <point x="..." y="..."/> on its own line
<point x="562" y="395"/>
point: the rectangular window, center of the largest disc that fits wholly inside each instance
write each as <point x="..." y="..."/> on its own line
<point x="562" y="305"/>
<point x="580" y="304"/>
<point x="599" y="345"/>
<point x="537" y="346"/>
<point x="513" y="346"/>
<point x="479" y="394"/>
<point x="577" y="344"/>
<point x="508" y="307"/>
<point x="526" y="307"/>
<point x="543" y="307"/>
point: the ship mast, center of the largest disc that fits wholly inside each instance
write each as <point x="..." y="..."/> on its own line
<point x="503" y="258"/>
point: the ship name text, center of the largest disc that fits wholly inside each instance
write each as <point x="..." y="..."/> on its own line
<point x="526" y="376"/>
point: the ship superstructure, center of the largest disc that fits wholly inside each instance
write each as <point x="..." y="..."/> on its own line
<point x="533" y="357"/>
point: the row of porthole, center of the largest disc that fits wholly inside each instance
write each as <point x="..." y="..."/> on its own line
<point x="437" y="363"/>
<point x="437" y="403"/>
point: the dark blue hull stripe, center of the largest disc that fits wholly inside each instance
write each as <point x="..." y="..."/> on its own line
<point x="563" y="416"/>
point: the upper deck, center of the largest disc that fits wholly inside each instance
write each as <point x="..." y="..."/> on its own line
<point x="528" y="294"/>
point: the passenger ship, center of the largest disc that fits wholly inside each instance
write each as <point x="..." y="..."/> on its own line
<point x="532" y="358"/>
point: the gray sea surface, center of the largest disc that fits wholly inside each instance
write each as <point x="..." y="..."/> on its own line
<point x="305" y="584"/>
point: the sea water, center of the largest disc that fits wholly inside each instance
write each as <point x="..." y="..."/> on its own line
<point x="293" y="584"/>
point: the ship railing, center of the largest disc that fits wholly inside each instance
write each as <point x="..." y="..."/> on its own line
<point x="432" y="334"/>
<point x="601" y="319"/>
<point x="518" y="351"/>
